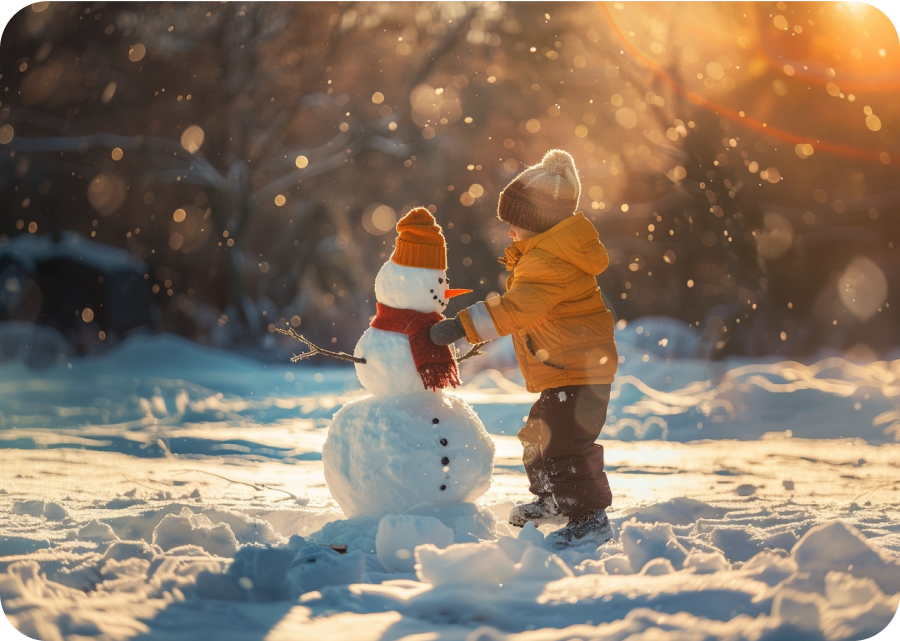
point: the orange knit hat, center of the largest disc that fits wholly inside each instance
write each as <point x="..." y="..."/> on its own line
<point x="420" y="242"/>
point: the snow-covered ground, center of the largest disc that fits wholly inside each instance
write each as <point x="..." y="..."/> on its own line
<point x="168" y="491"/>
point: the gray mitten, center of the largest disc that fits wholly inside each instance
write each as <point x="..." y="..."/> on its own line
<point x="447" y="331"/>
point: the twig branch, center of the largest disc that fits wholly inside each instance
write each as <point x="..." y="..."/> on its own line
<point x="256" y="486"/>
<point x="315" y="349"/>
<point x="475" y="351"/>
<point x="440" y="47"/>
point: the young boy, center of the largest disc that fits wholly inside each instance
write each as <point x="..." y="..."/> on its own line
<point x="563" y="336"/>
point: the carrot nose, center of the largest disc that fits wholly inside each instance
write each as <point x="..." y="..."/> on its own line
<point x="450" y="293"/>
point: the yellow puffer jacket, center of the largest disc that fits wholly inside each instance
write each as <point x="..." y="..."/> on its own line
<point x="562" y="331"/>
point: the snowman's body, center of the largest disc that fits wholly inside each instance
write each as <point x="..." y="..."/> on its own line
<point x="406" y="444"/>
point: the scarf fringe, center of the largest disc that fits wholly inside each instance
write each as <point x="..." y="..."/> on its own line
<point x="439" y="375"/>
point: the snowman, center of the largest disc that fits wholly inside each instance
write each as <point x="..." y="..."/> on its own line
<point x="411" y="442"/>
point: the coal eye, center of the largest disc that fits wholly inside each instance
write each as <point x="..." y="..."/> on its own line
<point x="440" y="280"/>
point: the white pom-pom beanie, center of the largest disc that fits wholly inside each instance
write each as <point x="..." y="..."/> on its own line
<point x="543" y="195"/>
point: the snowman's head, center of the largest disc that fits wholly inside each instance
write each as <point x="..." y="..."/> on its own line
<point x="416" y="275"/>
<point x="416" y="288"/>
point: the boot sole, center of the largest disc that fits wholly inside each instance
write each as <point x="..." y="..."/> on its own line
<point x="546" y="520"/>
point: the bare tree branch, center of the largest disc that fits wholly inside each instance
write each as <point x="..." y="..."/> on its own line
<point x="151" y="143"/>
<point x="277" y="186"/>
<point x="441" y="47"/>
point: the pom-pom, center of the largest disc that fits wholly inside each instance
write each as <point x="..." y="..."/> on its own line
<point x="556" y="161"/>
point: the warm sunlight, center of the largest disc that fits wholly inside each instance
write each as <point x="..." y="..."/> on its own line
<point x="449" y="321"/>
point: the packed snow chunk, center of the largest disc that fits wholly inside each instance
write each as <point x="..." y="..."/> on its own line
<point x="513" y="548"/>
<point x="188" y="528"/>
<point x="464" y="564"/>
<point x="399" y="534"/>
<point x="49" y="510"/>
<point x="770" y="567"/>
<point x="538" y="564"/>
<point x="843" y="590"/>
<point x="800" y="609"/>
<point x="677" y="511"/>
<point x="356" y="533"/>
<point x="617" y="564"/>
<point x="246" y="529"/>
<point x="15" y="545"/>
<point x="488" y="563"/>
<point x="531" y="534"/>
<point x="706" y="562"/>
<point x="469" y="522"/>
<point x="182" y="572"/>
<point x="262" y="572"/>
<point x="97" y="531"/>
<point x="737" y="542"/>
<point x="122" y="550"/>
<point x="657" y="567"/>
<point x="782" y="541"/>
<point x="385" y="454"/>
<point x="315" y="567"/>
<point x="642" y="543"/>
<point x="841" y="547"/>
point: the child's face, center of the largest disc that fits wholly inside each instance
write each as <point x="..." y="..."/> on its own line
<point x="517" y="233"/>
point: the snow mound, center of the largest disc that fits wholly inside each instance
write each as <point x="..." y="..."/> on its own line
<point x="399" y="535"/>
<point x="468" y="522"/>
<point x="488" y="563"/>
<point x="838" y="546"/>
<point x="256" y="574"/>
<point x="48" y="509"/>
<point x="97" y="531"/>
<point x="188" y="528"/>
<point x="643" y="543"/>
<point x="35" y="345"/>
<point x="706" y="562"/>
<point x="677" y="511"/>
<point x="315" y="567"/>
<point x="661" y="336"/>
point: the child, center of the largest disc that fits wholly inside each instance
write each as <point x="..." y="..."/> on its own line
<point x="563" y="336"/>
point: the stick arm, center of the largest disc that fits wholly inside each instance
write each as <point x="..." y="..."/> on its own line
<point x="475" y="351"/>
<point x="315" y="349"/>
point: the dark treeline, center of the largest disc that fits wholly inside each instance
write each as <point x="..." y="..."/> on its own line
<point x="738" y="159"/>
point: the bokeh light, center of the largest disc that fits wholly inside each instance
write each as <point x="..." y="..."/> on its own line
<point x="378" y="219"/>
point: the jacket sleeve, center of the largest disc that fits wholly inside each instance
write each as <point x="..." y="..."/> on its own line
<point x="537" y="290"/>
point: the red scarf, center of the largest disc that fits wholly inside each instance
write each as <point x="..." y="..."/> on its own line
<point x="435" y="363"/>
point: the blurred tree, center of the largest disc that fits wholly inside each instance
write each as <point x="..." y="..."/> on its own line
<point x="736" y="157"/>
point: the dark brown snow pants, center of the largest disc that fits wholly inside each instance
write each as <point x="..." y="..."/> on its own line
<point x="561" y="458"/>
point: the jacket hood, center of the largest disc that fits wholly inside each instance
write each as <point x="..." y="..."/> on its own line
<point x="574" y="240"/>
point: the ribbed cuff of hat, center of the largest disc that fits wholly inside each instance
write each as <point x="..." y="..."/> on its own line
<point x="417" y="255"/>
<point x="515" y="208"/>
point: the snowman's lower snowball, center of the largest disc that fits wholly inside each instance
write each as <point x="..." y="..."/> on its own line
<point x="385" y="454"/>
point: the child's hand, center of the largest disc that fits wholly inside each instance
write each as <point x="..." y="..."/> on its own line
<point x="447" y="331"/>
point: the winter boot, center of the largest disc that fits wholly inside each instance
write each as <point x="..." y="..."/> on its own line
<point x="589" y="528"/>
<point x="542" y="510"/>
